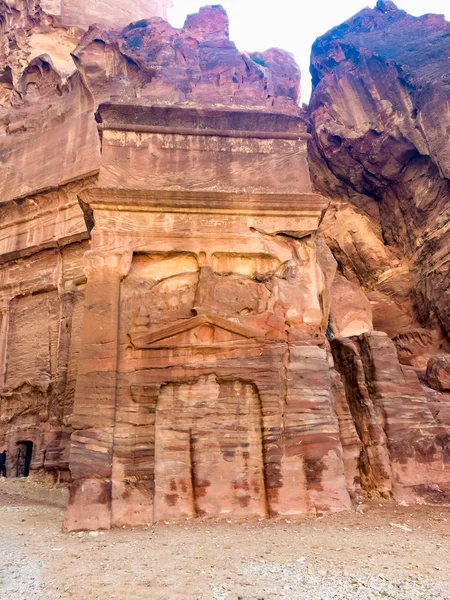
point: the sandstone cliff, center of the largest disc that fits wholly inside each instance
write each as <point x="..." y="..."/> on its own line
<point x="381" y="150"/>
<point x="174" y="337"/>
<point x="54" y="78"/>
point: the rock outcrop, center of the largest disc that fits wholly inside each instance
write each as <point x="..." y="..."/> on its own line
<point x="379" y="117"/>
<point x="380" y="150"/>
<point x="438" y="372"/>
<point x="50" y="103"/>
<point x="187" y="328"/>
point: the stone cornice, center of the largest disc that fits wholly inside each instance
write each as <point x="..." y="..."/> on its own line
<point x="207" y="202"/>
<point x="222" y="121"/>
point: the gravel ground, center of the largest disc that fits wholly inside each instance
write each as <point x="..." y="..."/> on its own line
<point x="19" y="574"/>
<point x="382" y="552"/>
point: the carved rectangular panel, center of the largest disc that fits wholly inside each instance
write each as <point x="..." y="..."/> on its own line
<point x="208" y="450"/>
<point x="33" y="339"/>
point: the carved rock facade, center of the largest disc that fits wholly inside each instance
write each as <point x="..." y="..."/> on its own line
<point x="204" y="339"/>
<point x="174" y="337"/>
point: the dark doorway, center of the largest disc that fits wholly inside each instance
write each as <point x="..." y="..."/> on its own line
<point x="24" y="454"/>
<point x="3" y="464"/>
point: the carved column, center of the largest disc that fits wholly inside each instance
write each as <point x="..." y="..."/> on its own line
<point x="95" y="396"/>
<point x="4" y="323"/>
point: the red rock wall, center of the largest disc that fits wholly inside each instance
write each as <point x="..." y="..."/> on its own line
<point x="204" y="287"/>
<point x="41" y="340"/>
<point x="167" y="310"/>
<point x="50" y="104"/>
<point x="381" y="151"/>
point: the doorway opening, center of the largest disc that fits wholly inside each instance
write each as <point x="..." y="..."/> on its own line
<point x="23" y="461"/>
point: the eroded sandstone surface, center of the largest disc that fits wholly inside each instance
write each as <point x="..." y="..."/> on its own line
<point x="208" y="307"/>
<point x="381" y="151"/>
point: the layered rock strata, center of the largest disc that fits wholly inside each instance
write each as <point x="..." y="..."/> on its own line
<point x="43" y="240"/>
<point x="169" y="315"/>
<point x="379" y="117"/>
<point x="203" y="355"/>
<point x="406" y="452"/>
<point x="379" y="114"/>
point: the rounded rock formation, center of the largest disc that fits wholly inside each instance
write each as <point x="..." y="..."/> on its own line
<point x="438" y="372"/>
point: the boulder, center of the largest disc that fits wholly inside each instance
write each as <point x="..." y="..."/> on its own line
<point x="438" y="372"/>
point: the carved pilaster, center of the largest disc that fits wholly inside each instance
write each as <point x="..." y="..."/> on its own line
<point x="4" y="325"/>
<point x="96" y="390"/>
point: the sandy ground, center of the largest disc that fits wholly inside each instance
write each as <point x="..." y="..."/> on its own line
<point x="384" y="552"/>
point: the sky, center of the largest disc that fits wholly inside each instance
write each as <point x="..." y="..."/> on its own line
<point x="256" y="25"/>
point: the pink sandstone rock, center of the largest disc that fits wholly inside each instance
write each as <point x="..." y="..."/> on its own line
<point x="438" y="372"/>
<point x="381" y="151"/>
<point x="351" y="312"/>
<point x="174" y="339"/>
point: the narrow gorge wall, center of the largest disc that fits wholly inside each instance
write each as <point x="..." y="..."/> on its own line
<point x="379" y="116"/>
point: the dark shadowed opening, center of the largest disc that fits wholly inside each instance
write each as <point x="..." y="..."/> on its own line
<point x="24" y="454"/>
